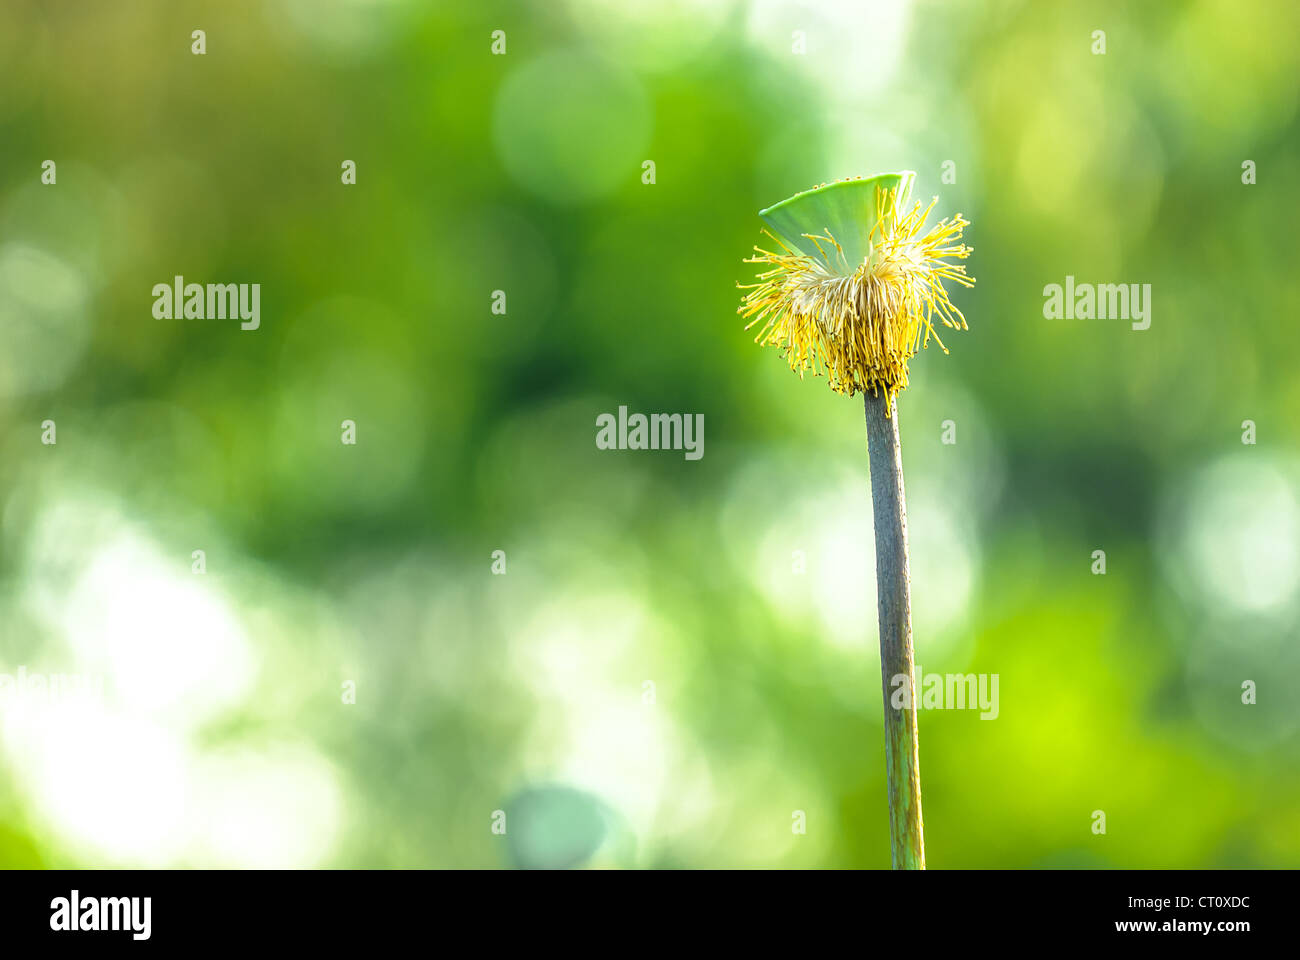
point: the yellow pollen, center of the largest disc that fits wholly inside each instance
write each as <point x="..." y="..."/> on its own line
<point x="860" y="323"/>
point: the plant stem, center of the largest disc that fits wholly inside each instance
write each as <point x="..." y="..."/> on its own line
<point x="894" y="602"/>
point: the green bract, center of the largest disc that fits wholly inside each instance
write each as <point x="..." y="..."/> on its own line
<point x="845" y="208"/>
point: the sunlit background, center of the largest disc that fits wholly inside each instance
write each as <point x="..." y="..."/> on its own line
<point x="653" y="681"/>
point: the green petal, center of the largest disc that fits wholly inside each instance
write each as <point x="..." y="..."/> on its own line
<point x="846" y="208"/>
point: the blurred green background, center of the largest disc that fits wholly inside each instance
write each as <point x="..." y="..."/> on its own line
<point x="651" y="683"/>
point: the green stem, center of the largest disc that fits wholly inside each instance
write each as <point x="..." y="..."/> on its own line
<point x="894" y="603"/>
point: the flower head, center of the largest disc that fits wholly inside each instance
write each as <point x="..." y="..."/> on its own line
<point x="855" y="284"/>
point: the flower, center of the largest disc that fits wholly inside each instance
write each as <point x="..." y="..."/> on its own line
<point x="857" y="299"/>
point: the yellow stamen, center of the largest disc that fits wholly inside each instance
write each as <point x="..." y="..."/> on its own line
<point x="860" y="324"/>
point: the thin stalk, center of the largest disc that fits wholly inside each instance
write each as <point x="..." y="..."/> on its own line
<point x="894" y="602"/>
